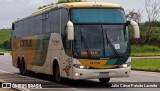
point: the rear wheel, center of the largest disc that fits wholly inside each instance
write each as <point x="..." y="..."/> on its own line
<point x="57" y="74"/>
<point x="104" y="80"/>
<point x="22" y="68"/>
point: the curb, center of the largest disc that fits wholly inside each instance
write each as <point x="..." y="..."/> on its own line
<point x="149" y="70"/>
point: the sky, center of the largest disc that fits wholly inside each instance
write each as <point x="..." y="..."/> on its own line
<point x="10" y="10"/>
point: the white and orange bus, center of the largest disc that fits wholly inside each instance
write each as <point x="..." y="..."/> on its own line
<point x="81" y="40"/>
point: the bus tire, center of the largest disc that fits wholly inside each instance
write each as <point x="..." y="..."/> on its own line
<point x="22" y="68"/>
<point x="58" y="78"/>
<point x="104" y="80"/>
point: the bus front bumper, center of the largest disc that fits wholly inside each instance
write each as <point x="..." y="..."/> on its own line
<point x="100" y="73"/>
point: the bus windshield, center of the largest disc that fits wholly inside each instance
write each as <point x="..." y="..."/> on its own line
<point x="100" y="15"/>
<point x="100" y="40"/>
<point x="94" y="37"/>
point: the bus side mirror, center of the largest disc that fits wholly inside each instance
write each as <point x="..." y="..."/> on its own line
<point x="136" y="29"/>
<point x="13" y="26"/>
<point x="70" y="31"/>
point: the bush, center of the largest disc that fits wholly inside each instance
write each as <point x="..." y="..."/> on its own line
<point x="6" y="45"/>
<point x="145" y="49"/>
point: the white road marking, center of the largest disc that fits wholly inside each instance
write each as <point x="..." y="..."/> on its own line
<point x="39" y="80"/>
<point x="146" y="74"/>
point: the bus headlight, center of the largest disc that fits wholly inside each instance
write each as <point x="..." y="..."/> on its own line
<point x="80" y="66"/>
<point x="125" y="65"/>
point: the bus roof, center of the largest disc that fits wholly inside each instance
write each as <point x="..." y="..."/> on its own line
<point x="91" y="4"/>
<point x="72" y="5"/>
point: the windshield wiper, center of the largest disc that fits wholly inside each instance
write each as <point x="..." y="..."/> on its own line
<point x="85" y="44"/>
<point x="110" y="44"/>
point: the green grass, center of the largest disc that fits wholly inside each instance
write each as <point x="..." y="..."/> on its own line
<point x="144" y="54"/>
<point x="146" y="64"/>
<point x="5" y="50"/>
<point x="5" y="35"/>
<point x="145" y="50"/>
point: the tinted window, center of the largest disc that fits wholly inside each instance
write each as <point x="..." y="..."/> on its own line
<point x="98" y="15"/>
<point x="47" y="22"/>
<point x="14" y="33"/>
<point x="25" y="31"/>
<point x="18" y="29"/>
<point x="38" y="25"/>
<point x="55" y="21"/>
<point x="31" y="26"/>
<point x="64" y="20"/>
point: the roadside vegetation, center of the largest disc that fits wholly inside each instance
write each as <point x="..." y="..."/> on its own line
<point x="5" y="40"/>
<point x="146" y="64"/>
<point x="145" y="50"/>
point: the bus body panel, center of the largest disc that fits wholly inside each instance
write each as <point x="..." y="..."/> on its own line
<point x="95" y="73"/>
<point x="34" y="55"/>
<point x="39" y="51"/>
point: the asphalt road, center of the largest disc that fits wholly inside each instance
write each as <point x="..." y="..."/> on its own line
<point x="10" y="74"/>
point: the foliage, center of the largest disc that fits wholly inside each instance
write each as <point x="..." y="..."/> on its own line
<point x="146" y="64"/>
<point x="145" y="49"/>
<point x="152" y="10"/>
<point x="62" y="1"/>
<point x="5" y="38"/>
<point x="45" y="6"/>
<point x="154" y="23"/>
<point x="67" y="1"/>
<point x="5" y="50"/>
<point x="6" y="45"/>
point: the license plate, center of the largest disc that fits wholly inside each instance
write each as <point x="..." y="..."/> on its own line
<point x="104" y="74"/>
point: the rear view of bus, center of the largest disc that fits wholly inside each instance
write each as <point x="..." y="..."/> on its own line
<point x="101" y="46"/>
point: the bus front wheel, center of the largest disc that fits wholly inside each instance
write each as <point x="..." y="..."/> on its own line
<point x="57" y="74"/>
<point x="104" y="80"/>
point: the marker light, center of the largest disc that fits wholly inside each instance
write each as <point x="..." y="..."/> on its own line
<point x="80" y="66"/>
<point x="76" y="74"/>
<point x="125" y="65"/>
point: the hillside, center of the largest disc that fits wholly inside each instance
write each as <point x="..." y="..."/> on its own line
<point x="5" y="34"/>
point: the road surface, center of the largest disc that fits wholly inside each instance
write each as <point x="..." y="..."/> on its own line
<point x="10" y="74"/>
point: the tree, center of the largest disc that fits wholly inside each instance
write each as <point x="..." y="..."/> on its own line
<point x="7" y="44"/>
<point x="152" y="11"/>
<point x="61" y="1"/>
<point x="67" y="1"/>
<point x="45" y="6"/>
<point x="135" y="15"/>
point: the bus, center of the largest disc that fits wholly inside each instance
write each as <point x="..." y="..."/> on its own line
<point x="80" y="40"/>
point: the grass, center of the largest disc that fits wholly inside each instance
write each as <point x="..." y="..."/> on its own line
<point x="144" y="54"/>
<point x="5" y="35"/>
<point x="146" y="64"/>
<point x="145" y="50"/>
<point x="5" y="50"/>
